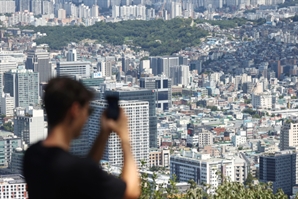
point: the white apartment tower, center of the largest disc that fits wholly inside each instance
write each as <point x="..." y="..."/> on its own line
<point x="29" y="124"/>
<point x="7" y="105"/>
<point x="289" y="134"/>
<point x="138" y="114"/>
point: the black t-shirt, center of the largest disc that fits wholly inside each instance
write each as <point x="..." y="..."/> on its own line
<point x="52" y="173"/>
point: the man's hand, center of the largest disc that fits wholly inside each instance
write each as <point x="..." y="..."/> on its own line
<point x="120" y="126"/>
<point x="104" y="127"/>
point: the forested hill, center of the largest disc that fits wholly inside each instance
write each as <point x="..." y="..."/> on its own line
<point x="159" y="37"/>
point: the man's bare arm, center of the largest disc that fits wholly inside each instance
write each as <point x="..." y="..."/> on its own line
<point x="98" y="146"/>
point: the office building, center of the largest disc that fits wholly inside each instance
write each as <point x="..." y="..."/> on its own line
<point x="196" y="65"/>
<point x="38" y="60"/>
<point x="129" y="94"/>
<point x="191" y="165"/>
<point x="138" y="114"/>
<point x="289" y="134"/>
<point x="23" y="85"/>
<point x="74" y="69"/>
<point x="7" y="105"/>
<point x="17" y="159"/>
<point x="280" y="169"/>
<point x="161" y="65"/>
<point x="159" y="158"/>
<point x="29" y="124"/>
<point x="179" y="75"/>
<point x="13" y="186"/>
<point x="163" y="90"/>
<point x="92" y="81"/>
<point x="71" y="55"/>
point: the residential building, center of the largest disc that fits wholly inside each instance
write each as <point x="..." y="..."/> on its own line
<point x="7" y="6"/>
<point x="289" y="134"/>
<point x="13" y="186"/>
<point x="23" y="85"/>
<point x="138" y="114"/>
<point x="71" y="55"/>
<point x="129" y="94"/>
<point x="238" y="140"/>
<point x="163" y="90"/>
<point x="159" y="157"/>
<point x="7" y="105"/>
<point x="280" y="169"/>
<point x="29" y="124"/>
<point x="262" y="100"/>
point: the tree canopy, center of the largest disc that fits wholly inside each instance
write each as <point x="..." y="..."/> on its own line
<point x="159" y="37"/>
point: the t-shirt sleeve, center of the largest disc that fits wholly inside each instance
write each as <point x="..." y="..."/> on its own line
<point x="99" y="184"/>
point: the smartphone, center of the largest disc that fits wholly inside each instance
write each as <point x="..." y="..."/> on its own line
<point x="113" y="109"/>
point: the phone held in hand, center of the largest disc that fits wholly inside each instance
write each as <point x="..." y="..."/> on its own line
<point x="113" y="109"/>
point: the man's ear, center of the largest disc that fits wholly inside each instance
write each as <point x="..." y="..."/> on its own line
<point x="74" y="110"/>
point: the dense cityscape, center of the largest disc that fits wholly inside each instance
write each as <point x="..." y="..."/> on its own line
<point x="210" y="86"/>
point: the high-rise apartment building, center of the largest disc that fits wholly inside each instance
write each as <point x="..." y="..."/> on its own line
<point x="7" y="6"/>
<point x="22" y="5"/>
<point x="262" y="100"/>
<point x="162" y="87"/>
<point x="7" y="105"/>
<point x="74" y="68"/>
<point x="29" y="124"/>
<point x="105" y="68"/>
<point x="36" y="7"/>
<point x="280" y="169"/>
<point x="138" y="114"/>
<point x="23" y="85"/>
<point x="289" y="134"/>
<point x="7" y="146"/>
<point x="129" y="94"/>
<point x="38" y="60"/>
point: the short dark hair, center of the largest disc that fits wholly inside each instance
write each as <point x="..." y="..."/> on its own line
<point x="60" y="93"/>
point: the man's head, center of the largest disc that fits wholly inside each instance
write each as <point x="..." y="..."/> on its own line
<point x="67" y="102"/>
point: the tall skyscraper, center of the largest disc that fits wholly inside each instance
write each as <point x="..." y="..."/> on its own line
<point x="38" y="60"/>
<point x="161" y="65"/>
<point x="23" y="85"/>
<point x="129" y="94"/>
<point x="29" y="124"/>
<point x="71" y="55"/>
<point x="138" y="114"/>
<point x="289" y="134"/>
<point x="279" y="168"/>
<point x="162" y="87"/>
